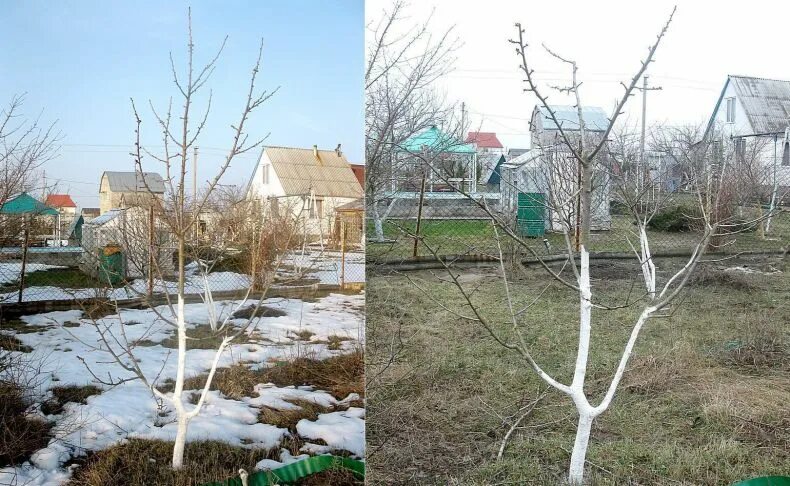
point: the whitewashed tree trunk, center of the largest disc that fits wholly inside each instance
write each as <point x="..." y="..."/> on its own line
<point x="181" y="325"/>
<point x="379" y="219"/>
<point x="180" y="442"/>
<point x="378" y="225"/>
<point x="586" y="413"/>
<point x="579" y="453"/>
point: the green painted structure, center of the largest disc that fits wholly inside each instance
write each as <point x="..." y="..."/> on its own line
<point x="531" y="214"/>
<point x="24" y="203"/>
<point x="435" y="139"/>
<point x="294" y="472"/>
<point x="112" y="264"/>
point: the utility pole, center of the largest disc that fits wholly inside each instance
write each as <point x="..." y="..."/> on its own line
<point x="462" y="124"/>
<point x="642" y="163"/>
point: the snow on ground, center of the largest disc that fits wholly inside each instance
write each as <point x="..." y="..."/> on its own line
<point x="195" y="284"/>
<point x="340" y="430"/>
<point x="327" y="265"/>
<point x="128" y="410"/>
<point x="9" y="271"/>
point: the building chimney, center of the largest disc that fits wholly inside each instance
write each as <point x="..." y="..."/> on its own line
<point x="315" y="151"/>
<point x="338" y="151"/>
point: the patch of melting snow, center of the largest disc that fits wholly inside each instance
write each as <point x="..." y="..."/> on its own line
<point x="285" y="458"/>
<point x="343" y="430"/>
<point x="129" y="410"/>
<point x="770" y="270"/>
<point x="324" y="266"/>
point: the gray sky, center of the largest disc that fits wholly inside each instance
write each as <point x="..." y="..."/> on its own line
<point x="607" y="39"/>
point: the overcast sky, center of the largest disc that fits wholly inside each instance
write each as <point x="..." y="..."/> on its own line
<point x="81" y="61"/>
<point x="706" y="42"/>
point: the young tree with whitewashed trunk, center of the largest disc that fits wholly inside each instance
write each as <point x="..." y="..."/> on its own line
<point x="179" y="214"/>
<point x="575" y="224"/>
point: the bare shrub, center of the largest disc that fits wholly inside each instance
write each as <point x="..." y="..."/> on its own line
<point x="765" y="346"/>
<point x="21" y="431"/>
<point x="713" y="277"/>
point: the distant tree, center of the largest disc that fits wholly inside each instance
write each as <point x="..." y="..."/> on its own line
<point x="402" y="64"/>
<point x="25" y="145"/>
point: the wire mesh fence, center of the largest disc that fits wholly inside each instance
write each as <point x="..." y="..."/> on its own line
<point x="130" y="253"/>
<point x="451" y="224"/>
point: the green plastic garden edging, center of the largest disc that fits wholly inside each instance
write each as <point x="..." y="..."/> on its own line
<point x="766" y="481"/>
<point x="297" y="470"/>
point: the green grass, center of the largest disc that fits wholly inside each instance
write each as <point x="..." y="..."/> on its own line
<point x="71" y="278"/>
<point x="452" y="237"/>
<point x="687" y="412"/>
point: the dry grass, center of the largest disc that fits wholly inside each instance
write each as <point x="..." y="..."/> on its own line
<point x="335" y="342"/>
<point x="339" y="375"/>
<point x="147" y="462"/>
<point x="11" y="343"/>
<point x="61" y="395"/>
<point x="98" y="308"/>
<point x="199" y="337"/>
<point x="304" y="334"/>
<point x="717" y="277"/>
<point x="288" y="418"/>
<point x="442" y="393"/>
<point x="763" y="346"/>
<point x="21" y="433"/>
<point x="262" y="311"/>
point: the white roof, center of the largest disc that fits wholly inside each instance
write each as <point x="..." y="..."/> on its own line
<point x="106" y="217"/>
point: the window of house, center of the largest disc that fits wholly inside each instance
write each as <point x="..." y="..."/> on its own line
<point x="317" y="209"/>
<point x="265" y="172"/>
<point x="786" y="155"/>
<point x="730" y="110"/>
<point x="740" y="149"/>
<point x="275" y="207"/>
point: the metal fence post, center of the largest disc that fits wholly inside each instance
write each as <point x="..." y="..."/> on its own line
<point x="150" y="251"/>
<point x="24" y="257"/>
<point x="419" y="214"/>
<point x="342" y="253"/>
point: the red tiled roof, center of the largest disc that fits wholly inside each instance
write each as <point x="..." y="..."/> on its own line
<point x="60" y="201"/>
<point x="484" y="139"/>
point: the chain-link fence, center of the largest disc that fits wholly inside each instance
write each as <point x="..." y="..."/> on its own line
<point x="451" y="224"/>
<point x="131" y="253"/>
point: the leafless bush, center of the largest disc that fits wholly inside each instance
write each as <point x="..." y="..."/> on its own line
<point x="22" y="432"/>
<point x="765" y="345"/>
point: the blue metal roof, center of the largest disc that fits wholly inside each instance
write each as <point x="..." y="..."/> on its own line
<point x="435" y="139"/>
<point x="595" y="119"/>
<point x="24" y="203"/>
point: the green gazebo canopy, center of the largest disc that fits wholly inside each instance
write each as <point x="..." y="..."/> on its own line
<point x="24" y="203"/>
<point x="435" y="139"/>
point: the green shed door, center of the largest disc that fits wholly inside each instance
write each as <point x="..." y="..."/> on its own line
<point x="531" y="216"/>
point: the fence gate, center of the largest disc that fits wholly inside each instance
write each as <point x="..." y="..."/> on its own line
<point x="531" y="215"/>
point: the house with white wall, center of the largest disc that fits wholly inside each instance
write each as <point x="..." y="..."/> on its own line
<point x="553" y="170"/>
<point x="485" y="143"/>
<point x="129" y="189"/>
<point x="307" y="182"/>
<point x="757" y="111"/>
